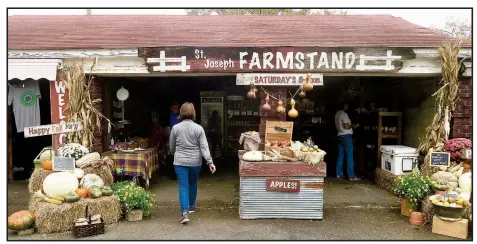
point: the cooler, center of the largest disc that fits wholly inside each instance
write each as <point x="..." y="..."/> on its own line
<point x="398" y="159"/>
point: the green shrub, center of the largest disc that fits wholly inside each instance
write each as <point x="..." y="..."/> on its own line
<point x="414" y="187"/>
<point x="132" y="196"/>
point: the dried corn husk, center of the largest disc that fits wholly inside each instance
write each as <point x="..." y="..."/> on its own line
<point x="437" y="133"/>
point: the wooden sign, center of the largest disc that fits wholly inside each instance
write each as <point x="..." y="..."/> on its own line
<point x="63" y="164"/>
<point x="44" y="130"/>
<point x="277" y="79"/>
<point x="440" y="159"/>
<point x="274" y="59"/>
<point x="278" y="130"/>
<point x="283" y="185"/>
<point x="59" y="97"/>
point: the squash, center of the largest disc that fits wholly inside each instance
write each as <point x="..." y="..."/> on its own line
<point x="440" y="185"/>
<point x="444" y="175"/>
<point x="79" y="173"/>
<point x="465" y="195"/>
<point x="87" y="159"/>
<point x="96" y="192"/>
<point x="107" y="191"/>
<point x="459" y="172"/>
<point x="465" y="182"/>
<point x="59" y="184"/>
<point x="21" y="220"/>
<point x="46" y="155"/>
<point x="71" y="197"/>
<point x="90" y="180"/>
<point x="47" y="164"/>
<point x="82" y="192"/>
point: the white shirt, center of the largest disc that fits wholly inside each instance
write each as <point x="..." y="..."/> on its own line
<point x="26" y="106"/>
<point x="342" y="118"/>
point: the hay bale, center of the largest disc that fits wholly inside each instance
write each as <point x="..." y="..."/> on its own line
<point x="36" y="180"/>
<point x="385" y="180"/>
<point x="52" y="218"/>
<point x="427" y="210"/>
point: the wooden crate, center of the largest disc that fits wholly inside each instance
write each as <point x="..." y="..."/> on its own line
<point x="274" y="134"/>
<point x="457" y="229"/>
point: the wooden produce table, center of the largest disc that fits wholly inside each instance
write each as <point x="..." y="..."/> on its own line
<point x="135" y="164"/>
<point x="292" y="190"/>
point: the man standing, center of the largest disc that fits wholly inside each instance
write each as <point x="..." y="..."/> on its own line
<point x="174" y="119"/>
<point x="345" y="142"/>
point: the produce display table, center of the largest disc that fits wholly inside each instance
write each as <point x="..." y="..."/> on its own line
<point x="292" y="190"/>
<point x="135" y="164"/>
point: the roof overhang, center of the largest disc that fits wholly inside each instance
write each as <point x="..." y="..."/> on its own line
<point x="35" y="69"/>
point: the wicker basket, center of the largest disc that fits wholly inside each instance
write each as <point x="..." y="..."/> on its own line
<point x="89" y="229"/>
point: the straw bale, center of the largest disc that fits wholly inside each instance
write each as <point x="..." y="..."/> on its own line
<point x="385" y="180"/>
<point x="36" y="179"/>
<point x="52" y="218"/>
<point x="427" y="211"/>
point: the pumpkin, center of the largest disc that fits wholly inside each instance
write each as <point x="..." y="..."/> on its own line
<point x="466" y="165"/>
<point x="465" y="195"/>
<point x="79" y="173"/>
<point x="465" y="182"/>
<point x="47" y="164"/>
<point x="90" y="180"/>
<point x="21" y="220"/>
<point x="59" y="184"/>
<point x="95" y="192"/>
<point x="82" y="192"/>
<point x="71" y="197"/>
<point x="107" y="191"/>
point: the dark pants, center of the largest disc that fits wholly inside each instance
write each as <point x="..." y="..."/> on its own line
<point x="216" y="141"/>
<point x="188" y="178"/>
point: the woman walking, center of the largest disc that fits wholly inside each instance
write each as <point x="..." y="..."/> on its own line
<point x="188" y="144"/>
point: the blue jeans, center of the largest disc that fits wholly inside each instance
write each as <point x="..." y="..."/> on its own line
<point x="187" y="177"/>
<point x="345" y="144"/>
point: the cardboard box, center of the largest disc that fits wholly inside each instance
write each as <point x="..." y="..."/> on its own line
<point x="457" y="229"/>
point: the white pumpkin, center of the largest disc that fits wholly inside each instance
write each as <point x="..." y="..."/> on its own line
<point x="79" y="173"/>
<point x="465" y="182"/>
<point x="465" y="195"/>
<point x="90" y="180"/>
<point x="60" y="183"/>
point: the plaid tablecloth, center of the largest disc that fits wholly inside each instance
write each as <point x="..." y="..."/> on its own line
<point x="139" y="163"/>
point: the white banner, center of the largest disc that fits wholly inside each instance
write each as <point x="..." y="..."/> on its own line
<point x="44" y="130"/>
<point x="277" y="79"/>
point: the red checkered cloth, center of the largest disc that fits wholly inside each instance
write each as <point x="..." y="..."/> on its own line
<point x="138" y="163"/>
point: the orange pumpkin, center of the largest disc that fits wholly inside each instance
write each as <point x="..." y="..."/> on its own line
<point x="82" y="192"/>
<point x="466" y="165"/>
<point x="47" y="164"/>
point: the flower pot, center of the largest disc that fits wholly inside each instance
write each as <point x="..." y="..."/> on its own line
<point x="416" y="218"/>
<point x="406" y="207"/>
<point x="134" y="215"/>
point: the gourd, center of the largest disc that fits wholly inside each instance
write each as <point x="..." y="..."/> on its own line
<point x="459" y="172"/>
<point x="87" y="159"/>
<point x="91" y="180"/>
<point x="465" y="195"/>
<point x="59" y="184"/>
<point x="46" y="155"/>
<point x="21" y="220"/>
<point x="440" y="184"/>
<point x="267" y="106"/>
<point x="465" y="182"/>
<point x="302" y="94"/>
<point x="95" y="192"/>
<point x="107" y="191"/>
<point x="79" y="173"/>
<point x="82" y="192"/>
<point x="47" y="164"/>
<point x="71" y="197"/>
<point x="280" y="108"/>
<point x="444" y="175"/>
<point x="293" y="113"/>
<point x="308" y="86"/>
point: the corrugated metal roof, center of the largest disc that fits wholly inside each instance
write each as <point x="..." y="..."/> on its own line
<point x="127" y="31"/>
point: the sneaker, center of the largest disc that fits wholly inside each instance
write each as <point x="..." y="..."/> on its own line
<point x="355" y="179"/>
<point x="185" y="218"/>
<point x="192" y="209"/>
<point x="339" y="177"/>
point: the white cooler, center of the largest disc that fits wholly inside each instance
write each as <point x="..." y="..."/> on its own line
<point x="398" y="159"/>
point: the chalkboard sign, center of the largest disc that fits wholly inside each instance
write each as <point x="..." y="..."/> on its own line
<point x="63" y="164"/>
<point x="440" y="159"/>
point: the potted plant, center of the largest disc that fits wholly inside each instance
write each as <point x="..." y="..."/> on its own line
<point x="135" y="202"/>
<point x="412" y="189"/>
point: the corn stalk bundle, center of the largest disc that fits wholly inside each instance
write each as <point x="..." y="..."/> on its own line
<point x="80" y="107"/>
<point x="437" y="133"/>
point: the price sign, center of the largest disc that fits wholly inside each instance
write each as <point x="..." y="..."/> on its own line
<point x="440" y="159"/>
<point x="63" y="164"/>
<point x="283" y="185"/>
<point x="281" y="129"/>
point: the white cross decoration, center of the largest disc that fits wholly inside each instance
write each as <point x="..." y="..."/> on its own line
<point x="162" y="61"/>
<point x="388" y="58"/>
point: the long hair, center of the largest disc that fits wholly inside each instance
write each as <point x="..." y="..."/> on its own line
<point x="187" y="111"/>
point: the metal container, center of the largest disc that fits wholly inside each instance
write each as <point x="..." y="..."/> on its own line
<point x="450" y="212"/>
<point x="258" y="203"/>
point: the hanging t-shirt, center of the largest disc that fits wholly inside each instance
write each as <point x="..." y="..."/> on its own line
<point x="26" y="107"/>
